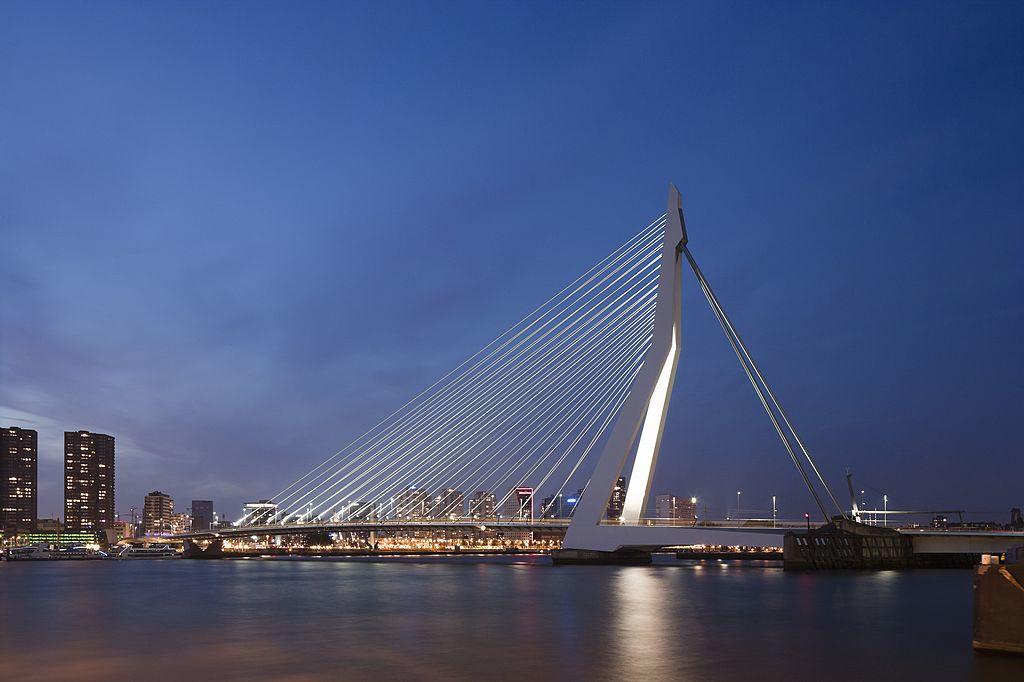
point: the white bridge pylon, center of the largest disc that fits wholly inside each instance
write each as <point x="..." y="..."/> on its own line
<point x="643" y="412"/>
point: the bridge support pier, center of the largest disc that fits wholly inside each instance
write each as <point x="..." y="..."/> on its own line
<point x="620" y="557"/>
<point x="845" y="544"/>
<point x="213" y="550"/>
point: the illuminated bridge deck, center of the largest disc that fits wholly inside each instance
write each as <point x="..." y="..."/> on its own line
<point x="652" y="532"/>
<point x="397" y="525"/>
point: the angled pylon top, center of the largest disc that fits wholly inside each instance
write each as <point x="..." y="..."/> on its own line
<point x="675" y="213"/>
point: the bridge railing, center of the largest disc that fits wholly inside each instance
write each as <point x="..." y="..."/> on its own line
<point x="712" y="523"/>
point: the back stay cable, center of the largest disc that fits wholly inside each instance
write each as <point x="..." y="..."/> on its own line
<point x="762" y="389"/>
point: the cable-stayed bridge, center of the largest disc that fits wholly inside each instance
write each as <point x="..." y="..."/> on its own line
<point x="555" y="424"/>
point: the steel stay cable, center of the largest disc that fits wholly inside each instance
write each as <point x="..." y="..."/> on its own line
<point x="563" y="329"/>
<point x="612" y="257"/>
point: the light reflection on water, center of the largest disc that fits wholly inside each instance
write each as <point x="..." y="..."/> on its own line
<point x="497" y="618"/>
<point x="641" y="631"/>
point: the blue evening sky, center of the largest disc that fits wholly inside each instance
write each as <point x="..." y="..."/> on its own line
<point x="236" y="234"/>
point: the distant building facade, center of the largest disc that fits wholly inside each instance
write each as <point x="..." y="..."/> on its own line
<point x="551" y="507"/>
<point x="668" y="506"/>
<point x="49" y="526"/>
<point x="356" y="511"/>
<point x="88" y="481"/>
<point x="570" y="502"/>
<point x="180" y="523"/>
<point x="483" y="504"/>
<point x="202" y="514"/>
<point x="259" y="513"/>
<point x="412" y="503"/>
<point x="19" y="480"/>
<point x="519" y="504"/>
<point x="450" y="503"/>
<point x="158" y="513"/>
<point x="617" y="500"/>
<point x="124" y="530"/>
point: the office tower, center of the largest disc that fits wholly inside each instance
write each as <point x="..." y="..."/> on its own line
<point x="19" y="501"/>
<point x="88" y="481"/>
<point x="618" y="498"/>
<point x="202" y="514"/>
<point x="158" y="513"/>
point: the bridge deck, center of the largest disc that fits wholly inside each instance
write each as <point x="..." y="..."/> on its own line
<point x="647" y="533"/>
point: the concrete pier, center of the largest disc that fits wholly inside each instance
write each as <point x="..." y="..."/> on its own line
<point x="999" y="608"/>
<point x="622" y="557"/>
<point x="845" y="544"/>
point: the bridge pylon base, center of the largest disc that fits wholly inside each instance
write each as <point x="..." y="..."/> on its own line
<point x="620" y="557"/>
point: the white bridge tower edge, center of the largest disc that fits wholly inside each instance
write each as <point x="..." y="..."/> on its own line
<point x="643" y="412"/>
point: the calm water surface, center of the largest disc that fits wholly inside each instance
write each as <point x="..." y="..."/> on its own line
<point x="487" y="618"/>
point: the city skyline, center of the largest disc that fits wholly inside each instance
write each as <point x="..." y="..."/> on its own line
<point x="244" y="337"/>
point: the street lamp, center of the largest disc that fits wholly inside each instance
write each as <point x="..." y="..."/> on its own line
<point x="774" y="511"/>
<point x="738" y="493"/>
<point x="885" y="509"/>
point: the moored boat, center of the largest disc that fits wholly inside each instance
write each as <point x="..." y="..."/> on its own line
<point x="37" y="552"/>
<point x="153" y="552"/>
<point x="79" y="553"/>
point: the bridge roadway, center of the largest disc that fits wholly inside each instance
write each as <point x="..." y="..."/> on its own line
<point x="686" y="529"/>
<point x="650" y="533"/>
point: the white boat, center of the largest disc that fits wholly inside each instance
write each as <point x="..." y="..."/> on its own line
<point x="37" y="552"/>
<point x="154" y="552"/>
<point x="78" y="553"/>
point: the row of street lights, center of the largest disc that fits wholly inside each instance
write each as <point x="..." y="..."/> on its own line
<point x="775" y="509"/>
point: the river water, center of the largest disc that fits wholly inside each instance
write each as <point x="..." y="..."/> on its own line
<point x="504" y="618"/>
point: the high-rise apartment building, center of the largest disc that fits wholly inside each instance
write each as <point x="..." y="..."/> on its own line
<point x="19" y="472"/>
<point x="158" y="514"/>
<point x="88" y="481"/>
